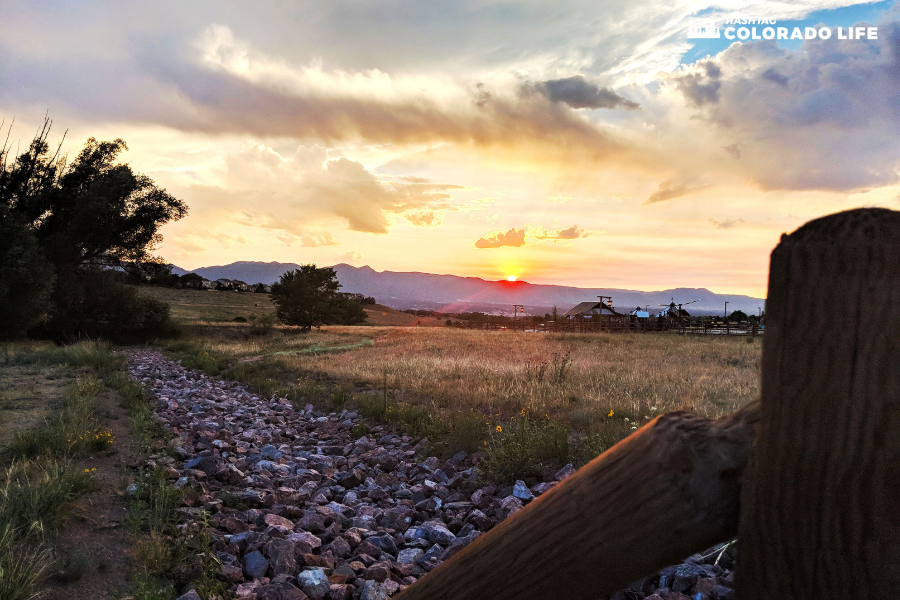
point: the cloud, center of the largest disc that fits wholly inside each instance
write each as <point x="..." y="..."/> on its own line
<point x="497" y="239"/>
<point x="578" y="92"/>
<point x="309" y="186"/>
<point x="668" y="190"/>
<point x="425" y="218"/>
<point x="350" y="256"/>
<point x="701" y="85"/>
<point x="826" y="117"/>
<point x="726" y="223"/>
<point x="572" y="233"/>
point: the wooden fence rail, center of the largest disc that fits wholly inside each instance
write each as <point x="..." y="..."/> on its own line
<point x="816" y="496"/>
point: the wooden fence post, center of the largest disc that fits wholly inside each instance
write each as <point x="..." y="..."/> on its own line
<point x="665" y="492"/>
<point x="820" y="510"/>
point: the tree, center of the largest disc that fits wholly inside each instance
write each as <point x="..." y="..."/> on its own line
<point x="91" y="214"/>
<point x="26" y="278"/>
<point x="738" y="316"/>
<point x="309" y="297"/>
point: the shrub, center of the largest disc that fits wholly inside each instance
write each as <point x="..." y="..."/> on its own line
<point x="26" y="278"/>
<point x="92" y="304"/>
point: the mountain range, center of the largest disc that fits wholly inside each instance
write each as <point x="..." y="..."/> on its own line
<point x="451" y="293"/>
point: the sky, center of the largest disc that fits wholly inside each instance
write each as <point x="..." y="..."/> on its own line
<point x="567" y="142"/>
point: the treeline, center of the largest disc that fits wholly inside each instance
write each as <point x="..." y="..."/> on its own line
<point x="64" y="230"/>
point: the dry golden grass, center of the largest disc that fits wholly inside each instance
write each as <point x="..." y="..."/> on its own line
<point x="576" y="378"/>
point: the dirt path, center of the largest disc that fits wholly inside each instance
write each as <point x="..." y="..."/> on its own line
<point x="95" y="528"/>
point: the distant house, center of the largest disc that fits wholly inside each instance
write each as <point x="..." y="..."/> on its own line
<point x="239" y="286"/>
<point x="206" y="284"/>
<point x="223" y="284"/>
<point x="261" y="288"/>
<point x="596" y="312"/>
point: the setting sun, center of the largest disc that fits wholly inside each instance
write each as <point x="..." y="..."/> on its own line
<point x="511" y="278"/>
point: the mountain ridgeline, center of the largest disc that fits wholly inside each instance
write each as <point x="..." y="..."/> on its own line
<point x="451" y="293"/>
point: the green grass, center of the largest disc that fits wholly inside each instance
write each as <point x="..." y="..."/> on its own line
<point x="21" y="565"/>
<point x="76" y="431"/>
<point x="191" y="306"/>
<point x="40" y="479"/>
<point x="97" y="355"/>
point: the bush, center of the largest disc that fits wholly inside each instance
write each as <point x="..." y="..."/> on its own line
<point x="26" y="279"/>
<point x="92" y="304"/>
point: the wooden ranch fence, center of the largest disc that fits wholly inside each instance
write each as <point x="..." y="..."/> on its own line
<point x="808" y="477"/>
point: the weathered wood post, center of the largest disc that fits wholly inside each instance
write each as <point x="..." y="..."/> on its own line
<point x="665" y="492"/>
<point x="820" y="511"/>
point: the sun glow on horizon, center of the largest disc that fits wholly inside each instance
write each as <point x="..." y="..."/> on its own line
<point x="511" y="278"/>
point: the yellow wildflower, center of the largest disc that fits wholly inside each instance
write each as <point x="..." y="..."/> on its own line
<point x="611" y="413"/>
<point x="499" y="429"/>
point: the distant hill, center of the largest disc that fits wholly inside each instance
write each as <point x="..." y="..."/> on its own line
<point x="451" y="293"/>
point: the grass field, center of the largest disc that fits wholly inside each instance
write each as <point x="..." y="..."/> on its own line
<point x="211" y="306"/>
<point x="485" y="390"/>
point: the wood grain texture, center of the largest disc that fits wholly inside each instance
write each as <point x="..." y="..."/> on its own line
<point x="667" y="491"/>
<point x="821" y="506"/>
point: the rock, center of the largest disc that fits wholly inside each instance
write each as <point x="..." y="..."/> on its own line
<point x="280" y="589"/>
<point x="521" y="491"/>
<point x="373" y="590"/>
<point x="509" y="506"/>
<point x="436" y="532"/>
<point x="565" y="472"/>
<point x="409" y="556"/>
<point x="458" y="458"/>
<point x="291" y="489"/>
<point x="281" y="557"/>
<point x="340" y="592"/>
<point x="384" y="542"/>
<point x="191" y="595"/>
<point x="314" y="583"/>
<point x="280" y="523"/>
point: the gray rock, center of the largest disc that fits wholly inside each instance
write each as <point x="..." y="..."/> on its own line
<point x="409" y="556"/>
<point x="255" y="565"/>
<point x="436" y="532"/>
<point x="566" y="471"/>
<point x="372" y="590"/>
<point x="314" y="583"/>
<point x="385" y="542"/>
<point x="191" y="595"/>
<point x="521" y="491"/>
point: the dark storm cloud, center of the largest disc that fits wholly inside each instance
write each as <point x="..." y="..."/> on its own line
<point x="578" y="92"/>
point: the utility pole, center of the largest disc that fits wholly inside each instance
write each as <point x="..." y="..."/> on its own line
<point x="727" y="332"/>
<point x="516" y="308"/>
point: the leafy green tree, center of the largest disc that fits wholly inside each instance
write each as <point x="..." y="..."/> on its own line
<point x="738" y="315"/>
<point x="84" y="216"/>
<point x="309" y="297"/>
<point x="26" y="278"/>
